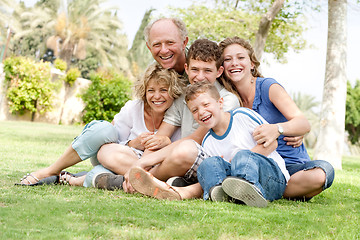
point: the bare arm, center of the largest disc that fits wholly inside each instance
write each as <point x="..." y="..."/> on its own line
<point x="161" y="138"/>
<point x="296" y="126"/>
<point x="198" y="134"/>
<point x="265" y="150"/>
<point x="159" y="156"/>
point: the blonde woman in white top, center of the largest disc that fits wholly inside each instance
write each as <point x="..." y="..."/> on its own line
<point x="131" y="132"/>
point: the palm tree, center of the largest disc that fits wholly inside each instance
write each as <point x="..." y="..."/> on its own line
<point x="77" y="27"/>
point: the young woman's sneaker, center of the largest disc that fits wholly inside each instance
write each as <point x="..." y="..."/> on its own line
<point x="244" y="191"/>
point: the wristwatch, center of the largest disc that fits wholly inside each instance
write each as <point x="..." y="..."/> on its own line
<point x="280" y="129"/>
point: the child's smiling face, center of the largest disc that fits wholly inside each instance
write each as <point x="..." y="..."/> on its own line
<point x="200" y="71"/>
<point x="205" y="109"/>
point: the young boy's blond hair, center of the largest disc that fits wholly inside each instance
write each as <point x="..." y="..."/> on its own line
<point x="193" y="90"/>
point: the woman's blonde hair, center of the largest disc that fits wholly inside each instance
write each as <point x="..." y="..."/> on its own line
<point x="169" y="77"/>
<point x="254" y="72"/>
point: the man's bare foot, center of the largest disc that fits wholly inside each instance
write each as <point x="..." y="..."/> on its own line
<point x="67" y="178"/>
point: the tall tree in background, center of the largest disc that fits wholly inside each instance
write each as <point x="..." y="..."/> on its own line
<point x="279" y="23"/>
<point x="264" y="27"/>
<point x="332" y="119"/>
<point x="139" y="55"/>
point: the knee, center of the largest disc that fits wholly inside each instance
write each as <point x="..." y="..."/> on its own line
<point x="93" y="136"/>
<point x="329" y="171"/>
<point x="108" y="132"/>
<point x="108" y="154"/>
<point x="318" y="177"/>
<point x="184" y="154"/>
<point x="206" y="164"/>
<point x="314" y="177"/>
<point x="240" y="157"/>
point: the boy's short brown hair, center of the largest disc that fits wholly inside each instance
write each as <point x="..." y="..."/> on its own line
<point x="193" y="90"/>
<point x="204" y="50"/>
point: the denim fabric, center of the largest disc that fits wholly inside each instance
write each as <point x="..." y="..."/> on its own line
<point x="324" y="165"/>
<point x="93" y="136"/>
<point x="263" y="172"/>
<point x="91" y="175"/>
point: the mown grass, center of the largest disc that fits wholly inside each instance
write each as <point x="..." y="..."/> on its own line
<point x="63" y="212"/>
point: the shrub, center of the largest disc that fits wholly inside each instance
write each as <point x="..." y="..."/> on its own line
<point x="72" y="75"/>
<point x="60" y="64"/>
<point x="106" y="95"/>
<point x="29" y="85"/>
<point x="352" y="116"/>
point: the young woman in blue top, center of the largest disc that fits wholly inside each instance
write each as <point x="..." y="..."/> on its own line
<point x="287" y="125"/>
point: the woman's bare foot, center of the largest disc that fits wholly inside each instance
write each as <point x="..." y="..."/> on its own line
<point x="34" y="177"/>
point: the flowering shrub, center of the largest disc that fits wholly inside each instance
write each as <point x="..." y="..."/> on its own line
<point x="60" y="64"/>
<point x="106" y="95"/>
<point x="72" y="75"/>
<point x="29" y="85"/>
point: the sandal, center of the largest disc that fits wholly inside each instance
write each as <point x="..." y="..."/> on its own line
<point x="30" y="183"/>
<point x="45" y="181"/>
<point x="64" y="177"/>
<point x="145" y="183"/>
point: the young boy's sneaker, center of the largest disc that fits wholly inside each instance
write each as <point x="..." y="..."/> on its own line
<point x="217" y="194"/>
<point x="178" y="182"/>
<point x="244" y="191"/>
<point x="109" y="181"/>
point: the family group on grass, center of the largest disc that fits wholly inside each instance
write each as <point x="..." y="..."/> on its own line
<point x="229" y="135"/>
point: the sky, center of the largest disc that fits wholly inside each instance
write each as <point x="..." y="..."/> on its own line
<point x="304" y="72"/>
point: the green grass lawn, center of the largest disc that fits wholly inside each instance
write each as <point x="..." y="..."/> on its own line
<point x="63" y="212"/>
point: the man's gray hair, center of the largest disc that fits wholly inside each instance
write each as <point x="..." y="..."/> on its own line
<point x="178" y="23"/>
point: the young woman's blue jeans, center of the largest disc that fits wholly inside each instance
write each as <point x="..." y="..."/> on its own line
<point x="324" y="165"/>
<point x="263" y="172"/>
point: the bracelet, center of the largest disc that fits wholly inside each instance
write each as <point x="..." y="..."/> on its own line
<point x="127" y="143"/>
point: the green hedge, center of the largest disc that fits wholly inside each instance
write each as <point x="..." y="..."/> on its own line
<point x="29" y="85"/>
<point x="106" y="95"/>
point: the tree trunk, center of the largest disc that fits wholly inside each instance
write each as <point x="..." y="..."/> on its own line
<point x="264" y="27"/>
<point x="330" y="141"/>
